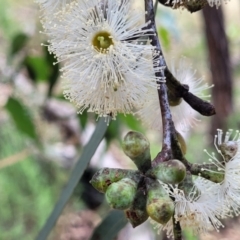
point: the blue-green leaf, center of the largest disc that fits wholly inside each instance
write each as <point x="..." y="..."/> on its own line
<point x="76" y="175"/>
<point x="110" y="226"/>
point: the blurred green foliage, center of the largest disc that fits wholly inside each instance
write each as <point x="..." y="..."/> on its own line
<point x="37" y="68"/>
<point x="28" y="189"/>
<point x="21" y="117"/>
<point x="18" y="42"/>
<point x="165" y="37"/>
<point x="27" y="198"/>
<point x="7" y="23"/>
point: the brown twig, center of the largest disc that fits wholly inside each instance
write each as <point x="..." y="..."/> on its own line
<point x="170" y="145"/>
<point x="177" y="231"/>
<point x="190" y="5"/>
<point x="182" y="91"/>
<point x="14" y="158"/>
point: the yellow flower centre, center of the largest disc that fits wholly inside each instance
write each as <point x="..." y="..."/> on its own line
<point x="102" y="41"/>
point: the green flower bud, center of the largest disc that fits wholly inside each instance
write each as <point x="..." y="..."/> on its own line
<point x="170" y="172"/>
<point x="137" y="213"/>
<point x="182" y="143"/>
<point x="106" y="176"/>
<point x="120" y="195"/>
<point x="137" y="147"/>
<point x="229" y="149"/>
<point x="160" y="206"/>
<point x="173" y="101"/>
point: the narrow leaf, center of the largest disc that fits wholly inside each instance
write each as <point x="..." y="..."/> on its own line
<point x="76" y="175"/>
<point x="110" y="226"/>
<point x="21" y="117"/>
<point x="83" y="119"/>
<point x="37" y="67"/>
<point x="54" y="73"/>
<point x="18" y="43"/>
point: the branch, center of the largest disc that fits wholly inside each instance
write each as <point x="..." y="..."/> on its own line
<point x="182" y="91"/>
<point x="177" y="231"/>
<point x="170" y="146"/>
<point x="190" y="5"/>
<point x="208" y="171"/>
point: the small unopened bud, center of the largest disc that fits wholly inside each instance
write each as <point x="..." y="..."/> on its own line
<point x="106" y="176"/>
<point x="120" y="195"/>
<point x="229" y="150"/>
<point x="174" y="101"/>
<point x="182" y="143"/>
<point x="160" y="206"/>
<point x="170" y="172"/>
<point x="137" y="147"/>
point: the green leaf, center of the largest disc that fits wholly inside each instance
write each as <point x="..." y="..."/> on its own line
<point x="110" y="226"/>
<point x="83" y="118"/>
<point x="54" y="71"/>
<point x="18" y="43"/>
<point x="189" y="235"/>
<point x="113" y="130"/>
<point x="76" y="175"/>
<point x="21" y="117"/>
<point x="165" y="38"/>
<point x="37" y="68"/>
<point x="131" y="122"/>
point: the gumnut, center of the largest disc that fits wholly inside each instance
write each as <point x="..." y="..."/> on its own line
<point x="160" y="206"/>
<point x="136" y="146"/>
<point x="120" y="195"/>
<point x="103" y="178"/>
<point x="182" y="143"/>
<point x="170" y="172"/>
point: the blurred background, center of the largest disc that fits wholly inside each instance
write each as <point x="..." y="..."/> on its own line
<point x="41" y="136"/>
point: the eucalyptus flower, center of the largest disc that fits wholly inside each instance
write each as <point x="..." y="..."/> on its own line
<point x="108" y="61"/>
<point x="228" y="191"/>
<point x="182" y="114"/>
<point x="217" y="2"/>
<point x="49" y="7"/>
<point x="195" y="209"/>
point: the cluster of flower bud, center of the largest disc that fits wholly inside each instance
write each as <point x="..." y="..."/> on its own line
<point x="140" y="193"/>
<point x="169" y="191"/>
